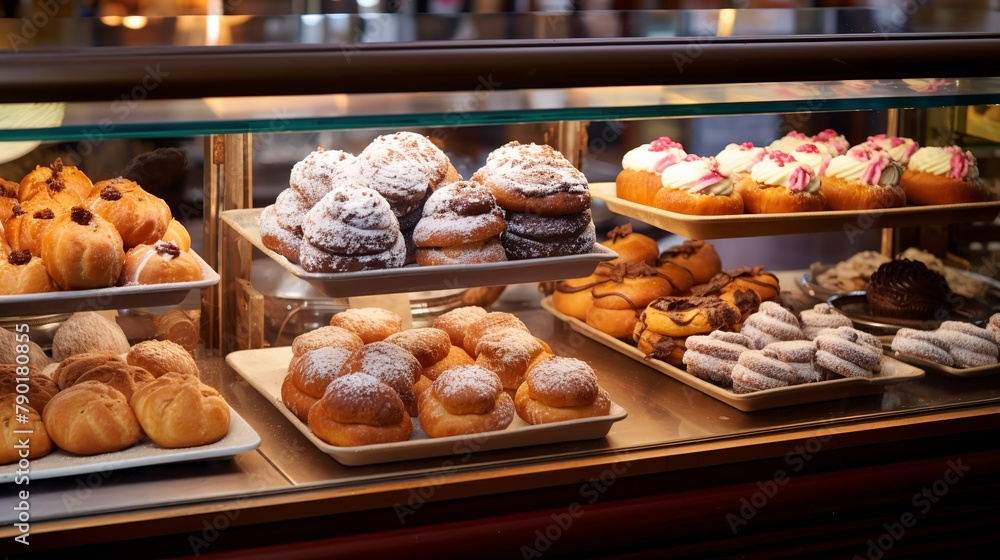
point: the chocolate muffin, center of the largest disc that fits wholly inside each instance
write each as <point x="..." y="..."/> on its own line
<point x="906" y="289"/>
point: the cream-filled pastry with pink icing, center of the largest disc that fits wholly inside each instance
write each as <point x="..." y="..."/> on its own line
<point x="837" y="144"/>
<point x="697" y="186"/>
<point x="737" y="159"/>
<point x="160" y="263"/>
<point x="947" y="175"/>
<point x="899" y="149"/>
<point x="639" y="180"/>
<point x="789" y="142"/>
<point x="779" y="183"/>
<point x="815" y="155"/>
<point x="863" y="178"/>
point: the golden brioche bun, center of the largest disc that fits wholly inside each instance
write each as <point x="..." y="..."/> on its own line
<point x="763" y="199"/>
<point x="926" y="188"/>
<point x="91" y="418"/>
<point x="372" y="324"/>
<point x="854" y="195"/>
<point x="683" y="202"/>
<point x="456" y="321"/>
<point x="638" y="186"/>
<point x="465" y="400"/>
<point x="162" y="356"/>
<point x="178" y="410"/>
<point x="33" y="431"/>
<point x="360" y="410"/>
<point x="559" y="389"/>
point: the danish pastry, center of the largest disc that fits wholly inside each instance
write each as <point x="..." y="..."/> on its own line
<point x="360" y="410"/>
<point x="465" y="400"/>
<point x="558" y="389"/>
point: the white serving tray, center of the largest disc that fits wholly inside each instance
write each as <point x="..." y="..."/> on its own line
<point x="116" y="297"/>
<point x="415" y="278"/>
<point x="240" y="439"/>
<point x="893" y="371"/>
<point x="265" y="369"/>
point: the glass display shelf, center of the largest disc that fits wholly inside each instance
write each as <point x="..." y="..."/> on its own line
<point x="91" y="121"/>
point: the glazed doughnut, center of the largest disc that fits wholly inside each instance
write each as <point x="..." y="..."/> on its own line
<point x="180" y="411"/>
<point x="459" y="213"/>
<point x="41" y="388"/>
<point x="508" y="353"/>
<point x="698" y="257"/>
<point x="161" y="357"/>
<point x="91" y="418"/>
<point x="558" y="389"/>
<point x="457" y="321"/>
<point x="139" y="217"/>
<point x="163" y="262"/>
<point x="863" y="178"/>
<point x="475" y="252"/>
<point x="927" y="346"/>
<point x="771" y="323"/>
<point x="970" y="346"/>
<point x="945" y="175"/>
<point x="756" y="372"/>
<point x="821" y="316"/>
<point x="371" y="324"/>
<point x="177" y="233"/>
<point x="285" y="242"/>
<point x="391" y="365"/>
<point x="20" y="273"/>
<point x="456" y="357"/>
<point x="655" y="345"/>
<point x="64" y="184"/>
<point x="849" y="352"/>
<point x="534" y="179"/>
<point x="360" y="410"/>
<point x="779" y="183"/>
<point x="402" y="167"/>
<point x="319" y="173"/>
<point x="82" y="250"/>
<point x="685" y="316"/>
<point x="428" y="345"/>
<point x="326" y="336"/>
<point x="532" y="236"/>
<point x="28" y="223"/>
<point x="309" y="376"/>
<point x="12" y="445"/>
<point x="695" y="186"/>
<point x="640" y="178"/>
<point x="351" y="229"/>
<point x="800" y="355"/>
<point x="492" y="321"/>
<point x="713" y="357"/>
<point x="465" y="400"/>
<point x="631" y="247"/>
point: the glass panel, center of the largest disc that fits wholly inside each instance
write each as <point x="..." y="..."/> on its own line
<point x="129" y="117"/>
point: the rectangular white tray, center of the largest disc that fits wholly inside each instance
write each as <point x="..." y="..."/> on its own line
<point x="240" y="439"/>
<point x="116" y="297"/>
<point x="753" y="225"/>
<point x="265" y="369"/>
<point x="893" y="371"/>
<point x="424" y="278"/>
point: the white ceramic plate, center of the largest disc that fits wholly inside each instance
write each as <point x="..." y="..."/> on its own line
<point x="240" y="439"/>
<point x="265" y="370"/>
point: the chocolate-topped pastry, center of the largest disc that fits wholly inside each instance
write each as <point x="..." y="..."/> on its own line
<point x="533" y="236"/>
<point x="618" y="302"/>
<point x="461" y="225"/>
<point x="630" y="246"/>
<point x="698" y="257"/>
<point x="906" y="289"/>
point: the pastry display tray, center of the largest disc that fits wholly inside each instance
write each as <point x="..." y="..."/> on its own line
<point x="265" y="370"/>
<point x="982" y="371"/>
<point x="423" y="278"/>
<point x="240" y="439"/>
<point x="893" y="371"/>
<point x="808" y="284"/>
<point x="116" y="297"/>
<point x="754" y="225"/>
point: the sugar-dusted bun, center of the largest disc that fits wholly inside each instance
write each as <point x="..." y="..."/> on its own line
<point x="82" y="250"/>
<point x="319" y="173"/>
<point x="41" y="388"/>
<point x="71" y="368"/>
<point x="309" y="376"/>
<point x="631" y="247"/>
<point x="559" y="389"/>
<point x="391" y="365"/>
<point x="534" y="179"/>
<point x="286" y="243"/>
<point x="139" y="217"/>
<point x="326" y="336"/>
<point x="492" y="321"/>
<point x="65" y="184"/>
<point x="428" y="345"/>
<point x="698" y="257"/>
<point x="28" y="223"/>
<point x="456" y="357"/>
<point x="160" y="357"/>
<point x="697" y="187"/>
<point x="163" y="262"/>
<point x="457" y="321"/>
<point x="402" y="167"/>
<point x="465" y="400"/>
<point x="463" y="212"/>
<point x="357" y="410"/>
<point x="475" y="252"/>
<point x="88" y="332"/>
<point x="180" y="411"/>
<point x="91" y="418"/>
<point x="508" y="353"/>
<point x="372" y="324"/>
<point x="177" y="233"/>
<point x="32" y="431"/>
<point x="21" y="273"/>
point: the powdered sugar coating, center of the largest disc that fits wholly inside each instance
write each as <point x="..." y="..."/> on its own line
<point x="771" y="323"/>
<point x="487" y="251"/>
<point x="289" y="210"/>
<point x="924" y="345"/>
<point x="461" y="212"/>
<point x="855" y="355"/>
<point x="321" y="172"/>
<point x="361" y="398"/>
<point x="968" y="350"/>
<point x="401" y="167"/>
<point x="325" y="336"/>
<point x="370" y="323"/>
<point x="821" y="316"/>
<point x="563" y="378"/>
<point x="314" y="370"/>
<point x="457" y="321"/>
<point x="468" y="389"/>
<point x="351" y="221"/>
<point x="277" y="238"/>
<point x="532" y="170"/>
<point x="971" y="330"/>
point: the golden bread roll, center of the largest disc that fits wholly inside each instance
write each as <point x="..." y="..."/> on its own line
<point x="428" y="345"/>
<point x="390" y="364"/>
<point x="457" y="321"/>
<point x="91" y="418"/>
<point x="358" y="409"/>
<point x="162" y="262"/>
<point x="41" y="388"/>
<point x="177" y="233"/>
<point x="492" y="321"/>
<point x="507" y="353"/>
<point x="81" y="250"/>
<point x="65" y="184"/>
<point x="28" y="224"/>
<point x="178" y="410"/>
<point x="126" y="379"/>
<point x="21" y="273"/>
<point x="162" y="356"/>
<point x="465" y="400"/>
<point x="9" y="346"/>
<point x="559" y="389"/>
<point x="456" y="357"/>
<point x="309" y="375"/>
<point x="176" y="326"/>
<point x="631" y="247"/>
<point x="372" y="324"/>
<point x="139" y="217"/>
<point x="70" y="369"/>
<point x="326" y="336"/>
<point x="38" y="442"/>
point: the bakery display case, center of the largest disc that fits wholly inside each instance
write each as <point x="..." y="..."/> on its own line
<point x="219" y="116"/>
